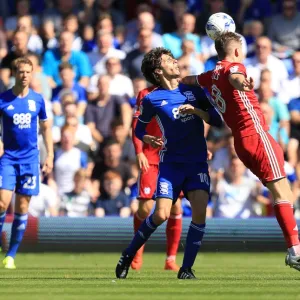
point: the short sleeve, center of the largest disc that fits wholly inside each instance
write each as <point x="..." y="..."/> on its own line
<point x="42" y="112"/>
<point x="137" y="112"/>
<point x="147" y="111"/>
<point x="205" y="79"/>
<point x="84" y="66"/>
<point x="236" y="68"/>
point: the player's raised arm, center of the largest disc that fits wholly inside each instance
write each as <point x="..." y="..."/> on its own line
<point x="240" y="82"/>
<point x="204" y="79"/>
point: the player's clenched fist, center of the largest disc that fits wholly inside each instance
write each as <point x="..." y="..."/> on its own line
<point x="48" y="165"/>
<point x="153" y="141"/>
<point x="186" y="109"/>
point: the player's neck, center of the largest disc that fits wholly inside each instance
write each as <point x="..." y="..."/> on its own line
<point x="171" y="84"/>
<point x="20" y="91"/>
<point x="231" y="59"/>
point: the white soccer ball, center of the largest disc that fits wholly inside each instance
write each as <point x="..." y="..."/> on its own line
<point x="219" y="23"/>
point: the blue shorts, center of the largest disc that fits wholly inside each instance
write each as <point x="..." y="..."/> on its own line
<point x="23" y="178"/>
<point x="176" y="177"/>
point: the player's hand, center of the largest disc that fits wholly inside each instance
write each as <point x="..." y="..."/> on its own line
<point x="248" y="84"/>
<point x="48" y="165"/>
<point x="189" y="80"/>
<point x="153" y="141"/>
<point x="142" y="161"/>
<point x="186" y="109"/>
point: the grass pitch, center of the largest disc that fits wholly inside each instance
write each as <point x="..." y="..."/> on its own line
<point x="91" y="276"/>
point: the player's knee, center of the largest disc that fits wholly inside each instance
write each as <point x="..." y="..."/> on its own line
<point x="145" y="208"/>
<point x="176" y="208"/>
<point x="161" y="216"/>
<point x="3" y="206"/>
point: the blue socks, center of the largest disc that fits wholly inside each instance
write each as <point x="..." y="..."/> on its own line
<point x="2" y="219"/>
<point x="141" y="236"/>
<point x="193" y="243"/>
<point x="17" y="232"/>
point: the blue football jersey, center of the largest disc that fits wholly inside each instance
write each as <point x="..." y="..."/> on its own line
<point x="19" y="118"/>
<point x="183" y="134"/>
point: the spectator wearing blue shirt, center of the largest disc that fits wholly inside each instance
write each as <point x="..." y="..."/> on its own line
<point x="67" y="76"/>
<point x="78" y="59"/>
<point x="173" y="41"/>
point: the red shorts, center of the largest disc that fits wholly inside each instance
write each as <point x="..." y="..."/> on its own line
<point x="147" y="182"/>
<point x="262" y="155"/>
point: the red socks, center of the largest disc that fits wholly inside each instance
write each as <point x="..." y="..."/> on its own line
<point x="285" y="217"/>
<point x="173" y="231"/>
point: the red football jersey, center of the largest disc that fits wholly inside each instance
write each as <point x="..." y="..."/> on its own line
<point x="240" y="110"/>
<point x="152" y="128"/>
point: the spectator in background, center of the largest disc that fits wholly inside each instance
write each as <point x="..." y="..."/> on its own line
<point x="291" y="87"/>
<point x="236" y="193"/>
<point x="67" y="76"/>
<point x="186" y="27"/>
<point x="139" y="83"/>
<point x="53" y="58"/>
<point x="35" y="43"/>
<point x="20" y="41"/>
<point x="76" y="203"/>
<point x="145" y="20"/>
<point x="252" y="30"/>
<point x="113" y="201"/>
<point x="3" y="45"/>
<point x="134" y="58"/>
<point x="88" y="14"/>
<point x="188" y="62"/>
<point x="101" y="112"/>
<point x="265" y="60"/>
<point x="104" y="51"/>
<point x="88" y="39"/>
<point x="70" y="23"/>
<point x="67" y="160"/>
<point x="48" y="35"/>
<point x="284" y="29"/>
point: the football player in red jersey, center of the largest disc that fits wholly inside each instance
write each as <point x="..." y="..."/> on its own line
<point x="148" y="160"/>
<point x="233" y="94"/>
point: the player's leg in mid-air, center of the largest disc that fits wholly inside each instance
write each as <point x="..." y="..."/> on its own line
<point x="147" y="185"/>
<point x="264" y="157"/>
<point x="27" y="184"/>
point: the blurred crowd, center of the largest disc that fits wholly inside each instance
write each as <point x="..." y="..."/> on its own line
<point x="87" y="56"/>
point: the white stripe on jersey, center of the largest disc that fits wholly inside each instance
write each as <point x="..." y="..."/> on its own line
<point x="269" y="150"/>
<point x="161" y="127"/>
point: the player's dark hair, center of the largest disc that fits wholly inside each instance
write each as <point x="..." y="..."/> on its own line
<point x="151" y="62"/>
<point x="21" y="61"/>
<point x="222" y="42"/>
<point x="65" y="65"/>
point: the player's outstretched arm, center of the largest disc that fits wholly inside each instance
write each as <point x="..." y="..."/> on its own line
<point x="190" y="80"/>
<point x="47" y="135"/>
<point x="240" y="82"/>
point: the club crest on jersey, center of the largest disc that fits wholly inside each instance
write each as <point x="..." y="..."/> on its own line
<point x="190" y="96"/>
<point x="31" y="105"/>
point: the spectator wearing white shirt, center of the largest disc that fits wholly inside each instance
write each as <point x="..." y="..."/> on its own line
<point x="265" y="60"/>
<point x="291" y="87"/>
<point x="103" y="52"/>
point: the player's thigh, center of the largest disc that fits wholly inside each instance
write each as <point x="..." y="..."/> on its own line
<point x="280" y="190"/>
<point x="147" y="182"/>
<point x="162" y="210"/>
<point x="170" y="181"/>
<point x="292" y="151"/>
<point x="7" y="185"/>
<point x="198" y="200"/>
<point x="28" y="180"/>
<point x="145" y="207"/>
<point x="22" y="203"/>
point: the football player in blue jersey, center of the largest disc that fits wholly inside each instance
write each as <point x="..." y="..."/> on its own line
<point x="180" y="111"/>
<point x="22" y="112"/>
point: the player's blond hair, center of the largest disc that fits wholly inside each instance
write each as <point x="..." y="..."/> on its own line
<point x="21" y="61"/>
<point x="222" y="42"/>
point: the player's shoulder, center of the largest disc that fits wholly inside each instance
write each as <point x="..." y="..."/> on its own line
<point x="35" y="96"/>
<point x="191" y="92"/>
<point x="7" y="95"/>
<point x="143" y="93"/>
<point x="233" y="67"/>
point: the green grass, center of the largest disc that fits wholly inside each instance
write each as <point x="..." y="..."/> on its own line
<point x="91" y="276"/>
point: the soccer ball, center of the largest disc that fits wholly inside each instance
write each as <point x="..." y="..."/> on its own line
<point x="219" y="23"/>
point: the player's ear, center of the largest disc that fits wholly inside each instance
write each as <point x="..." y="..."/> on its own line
<point x="236" y="52"/>
<point x="158" y="71"/>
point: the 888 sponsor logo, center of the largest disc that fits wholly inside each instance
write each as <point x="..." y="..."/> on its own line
<point x="183" y="117"/>
<point x="22" y="120"/>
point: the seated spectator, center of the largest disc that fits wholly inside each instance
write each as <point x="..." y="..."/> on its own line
<point x="88" y="39"/>
<point x="88" y="13"/>
<point x="45" y="203"/>
<point x="251" y="31"/>
<point x="112" y="153"/>
<point x="76" y="203"/>
<point x="263" y="59"/>
<point x="20" y="41"/>
<point x="174" y="40"/>
<point x="67" y="160"/>
<point x="35" y="43"/>
<point x="236" y="193"/>
<point x="139" y="83"/>
<point x="145" y="20"/>
<point x="284" y="29"/>
<point x="3" y="45"/>
<point x="134" y="58"/>
<point x="53" y="58"/>
<point x="48" y="35"/>
<point x="188" y="61"/>
<point x="101" y="112"/>
<point x="105" y="7"/>
<point x="105" y="50"/>
<point x="291" y="86"/>
<point x="68" y="83"/>
<point x="113" y="201"/>
<point x="70" y="23"/>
